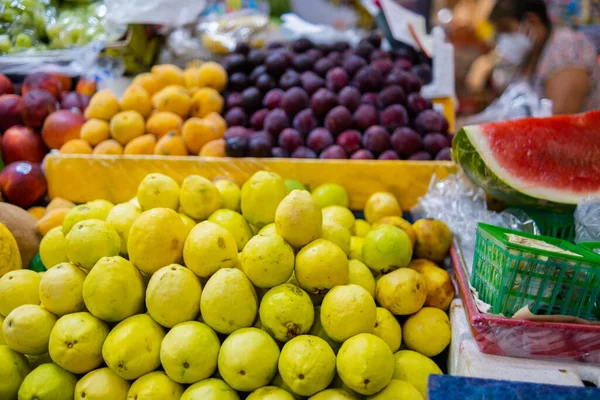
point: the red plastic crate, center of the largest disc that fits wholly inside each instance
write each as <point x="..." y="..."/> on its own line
<point x="526" y="339"/>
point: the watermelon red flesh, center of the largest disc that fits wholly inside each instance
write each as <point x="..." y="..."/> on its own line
<point x="555" y="159"/>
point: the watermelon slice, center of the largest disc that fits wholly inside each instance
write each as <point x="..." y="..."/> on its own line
<point x="549" y="162"/>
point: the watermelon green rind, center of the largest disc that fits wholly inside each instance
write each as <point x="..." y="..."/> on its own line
<point x="475" y="167"/>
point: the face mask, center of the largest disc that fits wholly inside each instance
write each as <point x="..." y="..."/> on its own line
<point x="514" y="47"/>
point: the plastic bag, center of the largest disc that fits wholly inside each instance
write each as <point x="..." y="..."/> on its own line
<point x="587" y="221"/>
<point x="461" y="205"/>
<point x="293" y="27"/>
<point x="160" y="12"/>
<point x="519" y="100"/>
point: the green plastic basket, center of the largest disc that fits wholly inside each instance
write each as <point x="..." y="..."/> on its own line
<point x="591" y="246"/>
<point x="510" y="276"/>
<point x="559" y="226"/>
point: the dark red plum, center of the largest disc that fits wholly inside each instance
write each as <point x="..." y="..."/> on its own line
<point x="349" y="97"/>
<point x="394" y="116"/>
<point x="289" y="79"/>
<point x="256" y="57"/>
<point x="404" y="51"/>
<point x="238" y="81"/>
<point x="290" y="139"/>
<point x="303" y="152"/>
<point x="265" y="83"/>
<point x="319" y="139"/>
<point x="444" y="155"/>
<point x="379" y="54"/>
<point x="434" y="142"/>
<point x="276" y="63"/>
<point x="429" y="121"/>
<point x="338" y="120"/>
<point x="251" y="99"/>
<point x="408" y="81"/>
<point x="273" y="98"/>
<point x="334" y="152"/>
<point x="236" y="146"/>
<point x="236" y="117"/>
<point x="371" y="98"/>
<point x="337" y="79"/>
<point x="423" y="71"/>
<point x="315" y="54"/>
<point x="312" y="82"/>
<point x="406" y="142"/>
<point x="257" y="120"/>
<point x="365" y="116"/>
<point x="275" y="45"/>
<point x="294" y="100"/>
<point x="368" y="79"/>
<point x="420" y="156"/>
<point x="301" y="45"/>
<point x="403" y="64"/>
<point x="341" y="46"/>
<point x="276" y="121"/>
<point x="383" y="65"/>
<point x="237" y="132"/>
<point x="302" y="62"/>
<point x="259" y="146"/>
<point x="234" y="63"/>
<point x="350" y="140"/>
<point x="322" y="101"/>
<point x="393" y="94"/>
<point x="374" y="39"/>
<point x="74" y="100"/>
<point x="305" y="121"/>
<point x="322" y="66"/>
<point x="278" y="152"/>
<point x="376" y="139"/>
<point x="364" y="49"/>
<point x="416" y="104"/>
<point x="446" y="127"/>
<point x="353" y="63"/>
<point x="388" y="155"/>
<point x="336" y="58"/>
<point x="242" y="48"/>
<point x="362" y="155"/>
<point x="256" y="72"/>
<point x="234" y="99"/>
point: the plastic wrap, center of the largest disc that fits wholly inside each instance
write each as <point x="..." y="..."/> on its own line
<point x="461" y="205"/>
<point x="294" y="27"/>
<point x="159" y="12"/>
<point x="116" y="178"/>
<point x="523" y="338"/>
<point x="587" y="221"/>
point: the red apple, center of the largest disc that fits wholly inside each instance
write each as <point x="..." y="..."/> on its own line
<point x="20" y="143"/>
<point x="22" y="183"/>
<point x="11" y="107"/>
<point x="74" y="100"/>
<point x="6" y="86"/>
<point x="60" y="127"/>
<point x="42" y="80"/>
<point x="38" y="104"/>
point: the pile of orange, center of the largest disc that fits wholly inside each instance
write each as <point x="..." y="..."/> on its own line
<point x="168" y="111"/>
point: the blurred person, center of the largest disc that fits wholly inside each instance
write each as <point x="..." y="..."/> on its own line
<point x="559" y="63"/>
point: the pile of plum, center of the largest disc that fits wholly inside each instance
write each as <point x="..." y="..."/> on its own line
<point x="331" y="101"/>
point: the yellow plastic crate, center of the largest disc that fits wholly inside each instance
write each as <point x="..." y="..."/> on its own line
<point x="115" y="178"/>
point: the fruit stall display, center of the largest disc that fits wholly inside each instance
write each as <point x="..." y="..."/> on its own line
<point x="205" y="290"/>
<point x="33" y="114"/>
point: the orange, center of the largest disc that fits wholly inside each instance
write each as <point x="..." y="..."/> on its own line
<point x="95" y="131"/>
<point x="218" y="122"/>
<point x="214" y="148"/>
<point x="51" y="220"/>
<point x="212" y="75"/>
<point x="144" y="144"/>
<point x="174" y="98"/>
<point x="127" y="125"/>
<point x="109" y="146"/>
<point x="76" y="146"/>
<point x="137" y="99"/>
<point x="37" y="212"/>
<point x="206" y="101"/>
<point x="166" y="75"/>
<point x="147" y="81"/>
<point x="196" y="132"/>
<point x="161" y="123"/>
<point x="170" y="145"/>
